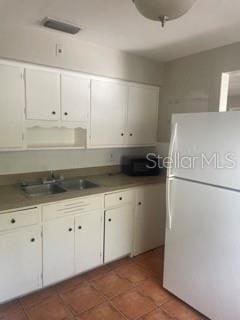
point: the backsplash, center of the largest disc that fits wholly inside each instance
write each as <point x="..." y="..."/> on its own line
<point x="41" y="161"/>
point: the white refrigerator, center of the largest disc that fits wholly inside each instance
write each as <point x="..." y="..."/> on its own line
<point x="202" y="253"/>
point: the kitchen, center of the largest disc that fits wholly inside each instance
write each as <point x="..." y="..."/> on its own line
<point x="83" y="219"/>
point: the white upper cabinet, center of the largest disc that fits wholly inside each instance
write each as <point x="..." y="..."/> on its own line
<point x="42" y="95"/>
<point x="75" y="98"/>
<point x="123" y="114"/>
<point x="142" y="116"/>
<point x="11" y="107"/>
<point x="108" y="113"/>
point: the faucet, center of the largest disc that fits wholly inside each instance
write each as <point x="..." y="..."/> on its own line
<point x="52" y="178"/>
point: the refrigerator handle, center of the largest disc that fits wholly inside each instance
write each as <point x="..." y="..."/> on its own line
<point x="168" y="202"/>
<point x="171" y="149"/>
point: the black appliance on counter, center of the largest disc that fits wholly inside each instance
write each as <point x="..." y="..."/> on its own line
<point x="141" y="166"/>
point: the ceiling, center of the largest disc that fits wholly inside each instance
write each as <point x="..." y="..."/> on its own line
<point x="117" y="24"/>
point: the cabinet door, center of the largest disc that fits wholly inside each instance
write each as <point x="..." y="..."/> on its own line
<point x="21" y="262"/>
<point x="118" y="233"/>
<point x="11" y="107"/>
<point x="58" y="250"/>
<point x="75" y="98"/>
<point x="142" y="115"/>
<point x="88" y="241"/>
<point x="108" y="113"/>
<point x="149" y="218"/>
<point x="43" y="95"/>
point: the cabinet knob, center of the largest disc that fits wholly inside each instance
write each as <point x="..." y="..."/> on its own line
<point x="131" y="134"/>
<point x="139" y="203"/>
<point x="65" y="113"/>
<point x="32" y="240"/>
<point x="70" y="229"/>
<point x="122" y="134"/>
<point x="80" y="227"/>
<point x="109" y="220"/>
<point x="53" y="112"/>
<point x="120" y="198"/>
<point x="13" y="221"/>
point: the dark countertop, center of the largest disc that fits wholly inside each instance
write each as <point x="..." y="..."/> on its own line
<point x="12" y="197"/>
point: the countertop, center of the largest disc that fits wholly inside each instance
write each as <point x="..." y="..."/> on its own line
<point x="12" y="197"/>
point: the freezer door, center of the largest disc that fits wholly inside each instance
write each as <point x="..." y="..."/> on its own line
<point x="202" y="259"/>
<point x="205" y="147"/>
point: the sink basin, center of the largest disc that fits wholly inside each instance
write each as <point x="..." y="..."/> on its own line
<point x="36" y="190"/>
<point x="78" y="184"/>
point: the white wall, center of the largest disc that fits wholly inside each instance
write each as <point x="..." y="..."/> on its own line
<point x="39" y="46"/>
<point x="37" y="161"/>
<point x="192" y="84"/>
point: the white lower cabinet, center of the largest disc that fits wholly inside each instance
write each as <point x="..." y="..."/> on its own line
<point x="149" y="218"/>
<point x="21" y="262"/>
<point x="58" y="250"/>
<point x="88" y="240"/>
<point x="118" y="232"/>
<point x="76" y="236"/>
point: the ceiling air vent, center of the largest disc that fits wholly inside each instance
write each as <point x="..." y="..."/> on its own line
<point x="61" y="26"/>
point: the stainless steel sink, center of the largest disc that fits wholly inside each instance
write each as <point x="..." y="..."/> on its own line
<point x="45" y="189"/>
<point x="78" y="184"/>
<point x="36" y="190"/>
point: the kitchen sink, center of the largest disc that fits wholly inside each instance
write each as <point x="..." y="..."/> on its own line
<point x="45" y="189"/>
<point x="36" y="190"/>
<point x="78" y="184"/>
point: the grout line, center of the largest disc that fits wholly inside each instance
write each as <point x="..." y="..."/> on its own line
<point x="23" y="309"/>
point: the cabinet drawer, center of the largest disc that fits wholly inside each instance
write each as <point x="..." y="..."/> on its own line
<point x="15" y="219"/>
<point x="119" y="198"/>
<point x="74" y="206"/>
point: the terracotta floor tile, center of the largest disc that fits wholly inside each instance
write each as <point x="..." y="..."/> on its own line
<point x="82" y="298"/>
<point x="133" y="305"/>
<point x="94" y="274"/>
<point x="121" y="262"/>
<point x="69" y="284"/>
<point x="103" y="312"/>
<point x="37" y="297"/>
<point x="180" y="311"/>
<point x="143" y="256"/>
<point x="157" y="315"/>
<point x="153" y="264"/>
<point x="111" y="284"/>
<point x="52" y="309"/>
<point x="153" y="289"/>
<point x="12" y="311"/>
<point x="133" y="272"/>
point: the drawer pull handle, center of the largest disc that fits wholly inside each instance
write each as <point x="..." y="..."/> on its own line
<point x="70" y="229"/>
<point x="80" y="227"/>
<point x="120" y="198"/>
<point x="109" y="220"/>
<point x="32" y="240"/>
<point x="13" y="221"/>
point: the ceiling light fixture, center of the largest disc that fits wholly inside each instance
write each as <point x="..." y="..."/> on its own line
<point x="163" y="10"/>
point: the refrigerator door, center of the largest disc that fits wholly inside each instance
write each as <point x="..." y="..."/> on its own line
<point x="202" y="253"/>
<point x="205" y="147"/>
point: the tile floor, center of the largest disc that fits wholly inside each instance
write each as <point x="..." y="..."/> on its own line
<point x="126" y="289"/>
